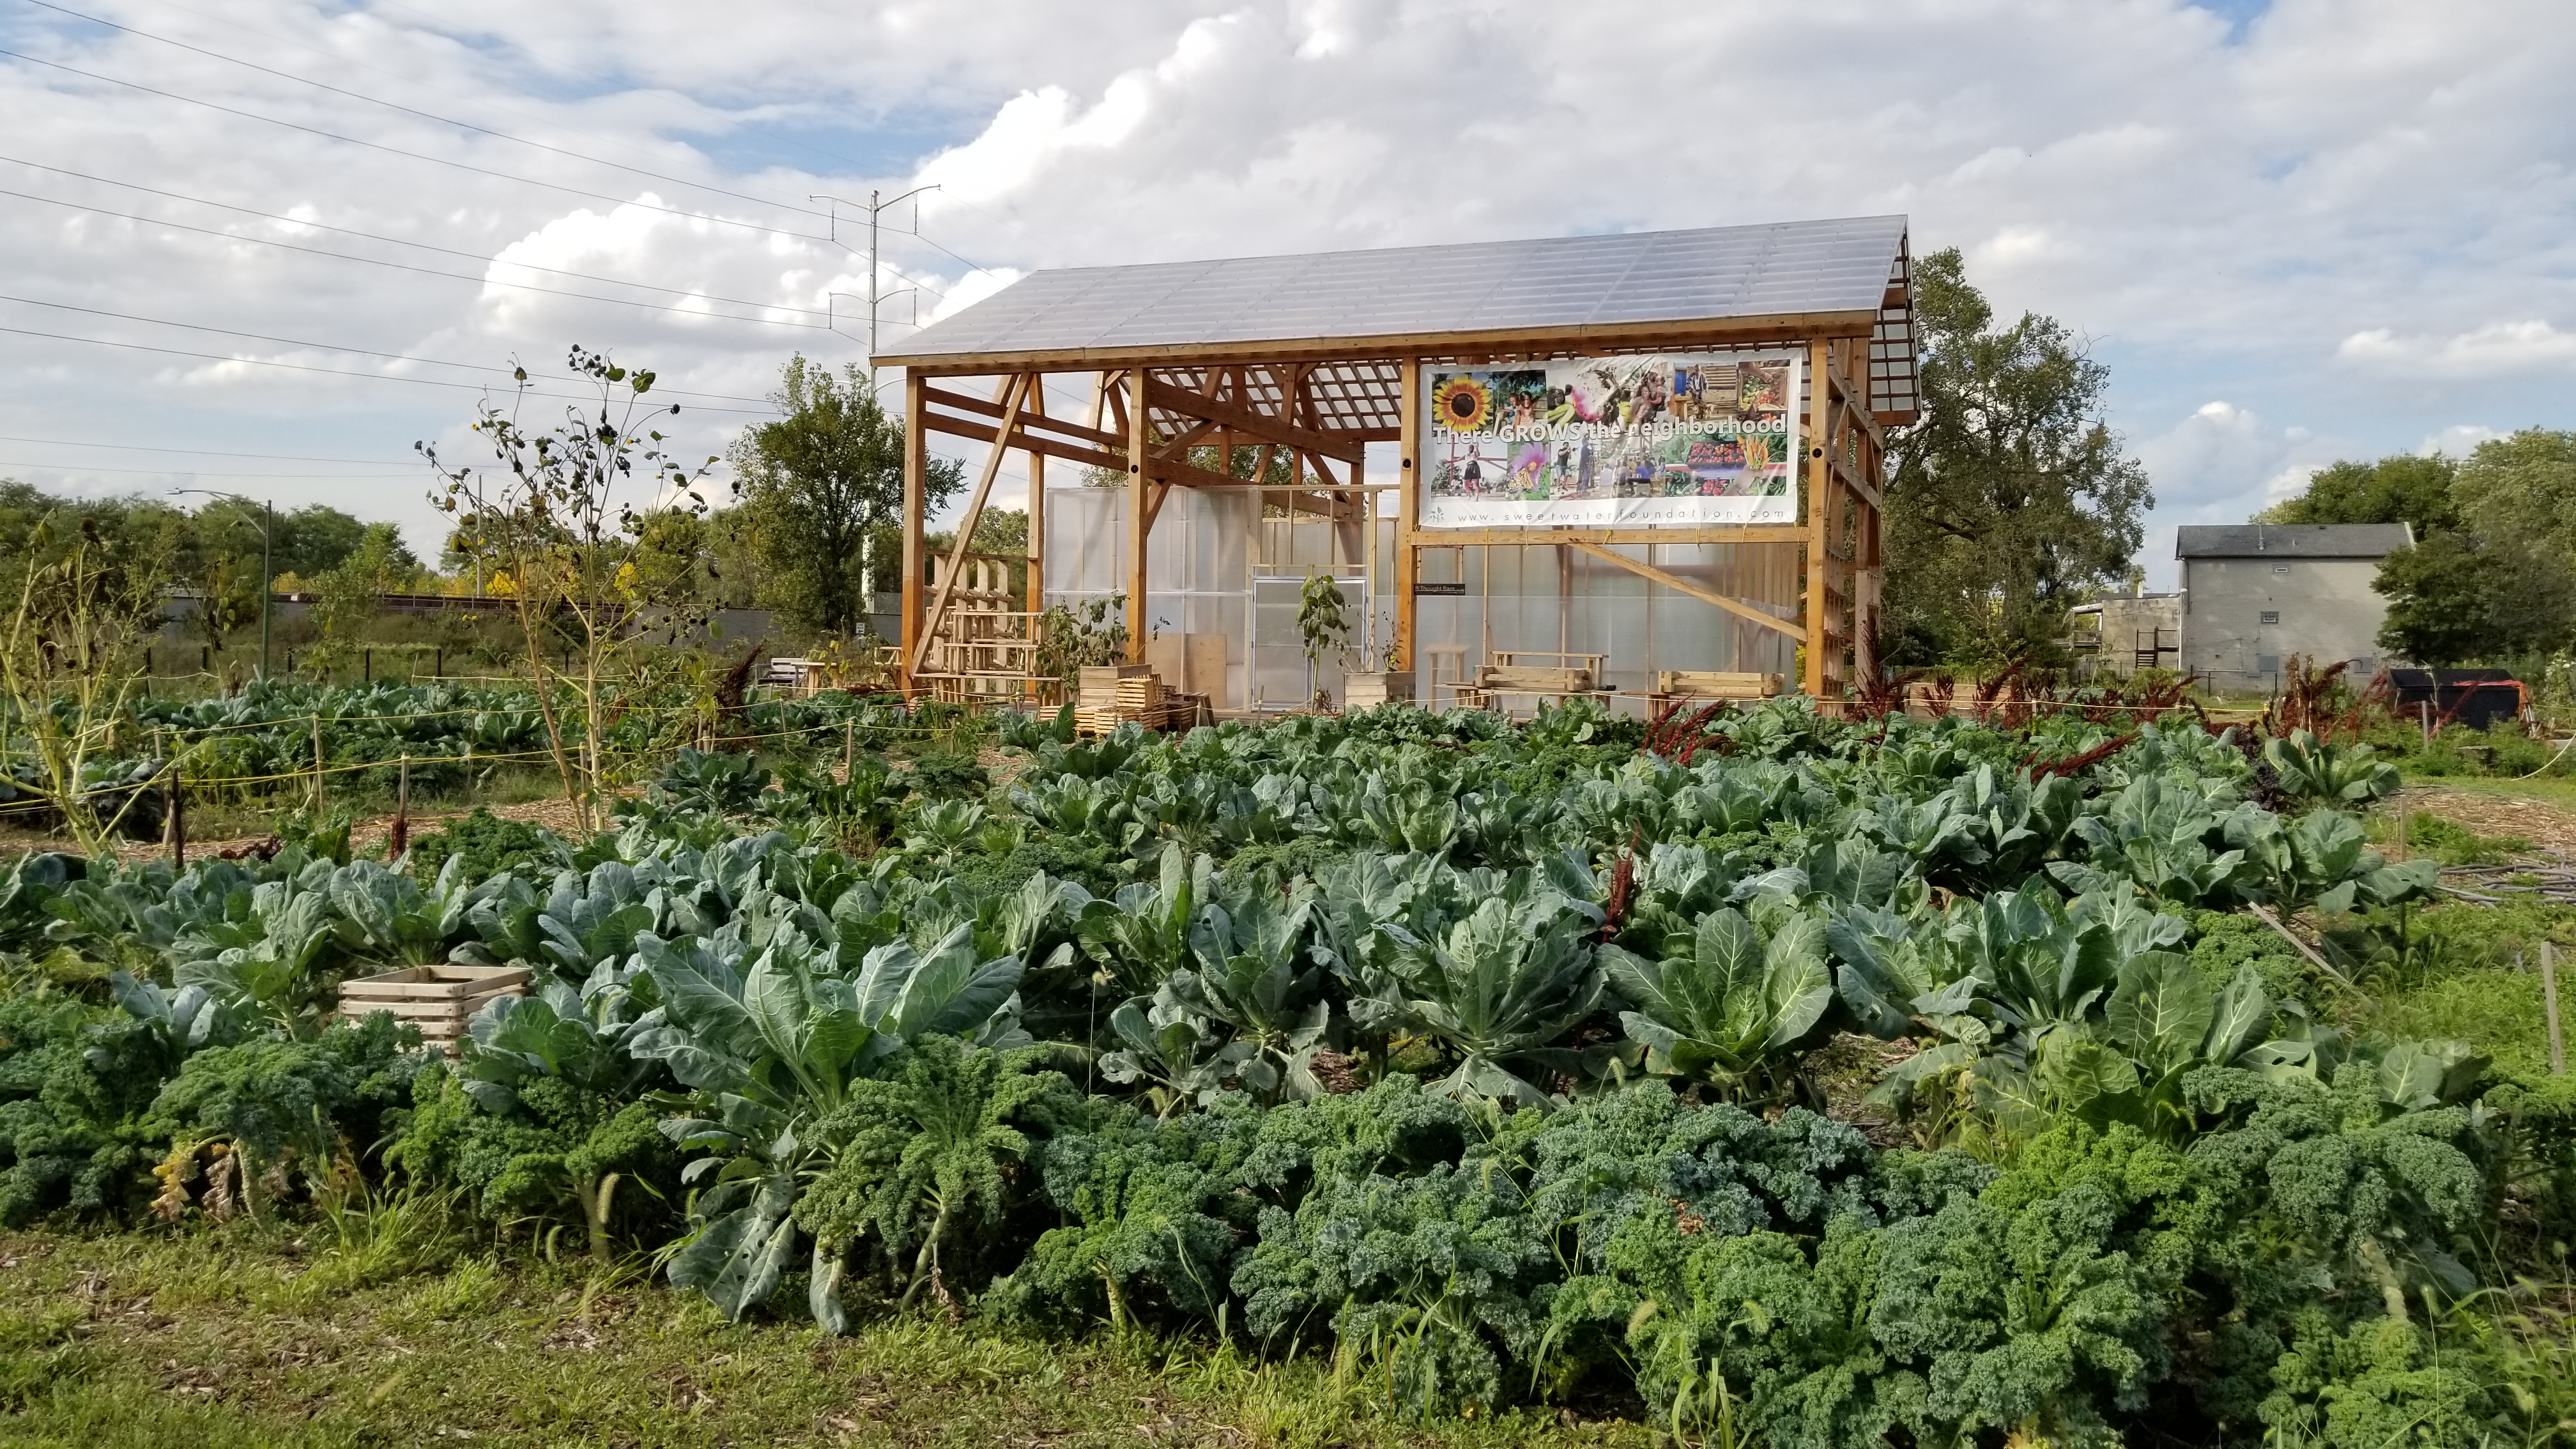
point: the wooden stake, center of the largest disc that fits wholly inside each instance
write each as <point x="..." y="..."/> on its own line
<point x="398" y="839"/>
<point x="2549" y="1007"/>
<point x="2264" y="914"/>
<point x="317" y="762"/>
<point x="849" y="750"/>
<point x="175" y="828"/>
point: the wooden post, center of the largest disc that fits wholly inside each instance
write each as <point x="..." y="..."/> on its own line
<point x="398" y="839"/>
<point x="2549" y="1007"/>
<point x="317" y="762"/>
<point x="1408" y="509"/>
<point x="916" y="466"/>
<point x="1140" y="446"/>
<point x="1018" y="389"/>
<point x="174" y="829"/>
<point x="1820" y="484"/>
<point x="1036" y="590"/>
<point x="849" y="750"/>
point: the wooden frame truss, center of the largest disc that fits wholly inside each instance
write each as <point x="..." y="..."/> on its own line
<point x="1318" y="411"/>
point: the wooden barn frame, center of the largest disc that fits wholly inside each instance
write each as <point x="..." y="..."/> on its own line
<point x="1315" y="357"/>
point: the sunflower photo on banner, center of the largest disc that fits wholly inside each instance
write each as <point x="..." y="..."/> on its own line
<point x="1662" y="440"/>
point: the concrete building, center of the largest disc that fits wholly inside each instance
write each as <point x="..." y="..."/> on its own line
<point x="2255" y="594"/>
<point x="2121" y="634"/>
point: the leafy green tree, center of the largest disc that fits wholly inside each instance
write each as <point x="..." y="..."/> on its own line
<point x="817" y="483"/>
<point x="2011" y="498"/>
<point x="2456" y="598"/>
<point x="2402" y="489"/>
<point x="352" y="590"/>
<point x="2523" y="488"/>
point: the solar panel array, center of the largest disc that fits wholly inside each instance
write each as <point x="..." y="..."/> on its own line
<point x="1712" y="273"/>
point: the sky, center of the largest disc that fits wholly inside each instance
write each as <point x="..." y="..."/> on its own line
<point x="265" y="246"/>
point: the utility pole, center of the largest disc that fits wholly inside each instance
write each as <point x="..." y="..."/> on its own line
<point x="876" y="204"/>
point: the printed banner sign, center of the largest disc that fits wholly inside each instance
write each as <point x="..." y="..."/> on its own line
<point x="1670" y="441"/>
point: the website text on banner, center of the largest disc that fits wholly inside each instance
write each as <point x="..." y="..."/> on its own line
<point x="1673" y="440"/>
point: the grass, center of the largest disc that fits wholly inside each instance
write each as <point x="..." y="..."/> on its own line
<point x="389" y="1331"/>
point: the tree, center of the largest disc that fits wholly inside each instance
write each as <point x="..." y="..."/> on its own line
<point x="352" y="590"/>
<point x="2493" y="582"/>
<point x="72" y="658"/>
<point x="2011" y="499"/>
<point x="2523" y="487"/>
<point x="559" y="513"/>
<point x="2404" y="489"/>
<point x="816" y="484"/>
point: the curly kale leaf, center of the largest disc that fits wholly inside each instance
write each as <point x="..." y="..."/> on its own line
<point x="1154" y="1217"/>
<point x="923" y="1154"/>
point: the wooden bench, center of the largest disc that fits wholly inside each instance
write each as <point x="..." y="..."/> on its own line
<point x="1566" y="677"/>
<point x="1683" y="686"/>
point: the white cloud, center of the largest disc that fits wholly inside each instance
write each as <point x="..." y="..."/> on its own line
<point x="2375" y="184"/>
<point x="2457" y="441"/>
<point x="2492" y="350"/>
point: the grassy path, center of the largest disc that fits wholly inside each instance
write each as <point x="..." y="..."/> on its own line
<point x="235" y="1336"/>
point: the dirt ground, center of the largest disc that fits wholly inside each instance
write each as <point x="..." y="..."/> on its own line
<point x="2549" y="825"/>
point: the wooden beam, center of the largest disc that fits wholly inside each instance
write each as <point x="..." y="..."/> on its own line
<point x="1183" y="441"/>
<point x="1018" y="392"/>
<point x="942" y="397"/>
<point x="1244" y="419"/>
<point x="916" y="467"/>
<point x="1036" y="590"/>
<point x="1820" y="511"/>
<point x="1140" y="519"/>
<point x="1578" y="339"/>
<point x="1653" y="574"/>
<point x="1408" y="510"/>
<point x="1167" y="470"/>
<point x="1506" y="537"/>
<point x="1021" y="437"/>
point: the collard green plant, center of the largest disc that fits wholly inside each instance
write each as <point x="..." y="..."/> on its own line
<point x="1735" y="1008"/>
<point x="2318" y="773"/>
<point x="1500" y="988"/>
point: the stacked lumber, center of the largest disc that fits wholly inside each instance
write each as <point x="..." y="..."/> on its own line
<point x="437" y="999"/>
<point x="1112" y="695"/>
<point x="1680" y="684"/>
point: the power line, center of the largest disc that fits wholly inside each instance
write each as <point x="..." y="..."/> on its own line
<point x="434" y="24"/>
<point x="433" y="271"/>
<point x="193" y="473"/>
<point x="196" y="452"/>
<point x="333" y="347"/>
<point x="413" y="155"/>
<point x="424" y="115"/>
<point x="332" y="371"/>
<point x="389" y="240"/>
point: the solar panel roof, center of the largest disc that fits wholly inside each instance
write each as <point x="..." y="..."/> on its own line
<point x="1725" y="273"/>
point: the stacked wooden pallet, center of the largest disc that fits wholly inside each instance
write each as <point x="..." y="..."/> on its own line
<point x="1114" y="694"/>
<point x="437" y="999"/>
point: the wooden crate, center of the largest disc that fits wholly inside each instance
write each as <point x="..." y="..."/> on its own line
<point x="1099" y="685"/>
<point x="437" y="999"/>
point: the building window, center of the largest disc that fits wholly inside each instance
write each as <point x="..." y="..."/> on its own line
<point x="2267" y="663"/>
<point x="2271" y="616"/>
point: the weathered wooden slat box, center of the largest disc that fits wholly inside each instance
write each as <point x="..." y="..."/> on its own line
<point x="437" y="999"/>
